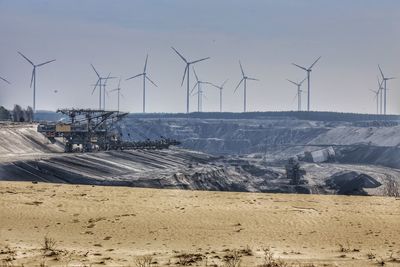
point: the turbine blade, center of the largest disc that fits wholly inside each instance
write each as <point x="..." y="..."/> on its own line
<point x="223" y="84"/>
<point x="176" y="51"/>
<point x="47" y="62"/>
<point x="106" y="79"/>
<point x="95" y="86"/>
<point x="145" y="64"/>
<point x="27" y="59"/>
<point x="294" y="98"/>
<point x="299" y="66"/>
<point x="315" y="62"/>
<point x="33" y="75"/>
<point x="252" y="79"/>
<point x="151" y="81"/>
<point x="98" y="75"/>
<point x="238" y="84"/>
<point x="193" y="62"/>
<point x="302" y="81"/>
<point x="216" y="86"/>
<point x="383" y="76"/>
<point x="379" y="83"/>
<point x="194" y="86"/>
<point x="195" y="74"/>
<point x="391" y="78"/>
<point x="5" y="80"/>
<point x="184" y="74"/>
<point x="241" y="68"/>
<point x="113" y="90"/>
<point x="119" y="83"/>
<point x="292" y="82"/>
<point x="134" y="76"/>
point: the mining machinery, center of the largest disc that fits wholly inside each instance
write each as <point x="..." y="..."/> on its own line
<point x="88" y="130"/>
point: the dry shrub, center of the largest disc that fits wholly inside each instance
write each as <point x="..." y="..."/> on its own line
<point x="144" y="261"/>
<point x="186" y="259"/>
<point x="344" y="248"/>
<point x="271" y="261"/>
<point x="232" y="259"/>
<point x="10" y="256"/>
<point x="246" y="251"/>
<point x="49" y="244"/>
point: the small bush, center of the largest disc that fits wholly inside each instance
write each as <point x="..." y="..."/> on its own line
<point x="270" y="261"/>
<point x="144" y="261"/>
<point x="232" y="259"/>
<point x="186" y="259"/>
<point x="49" y="244"/>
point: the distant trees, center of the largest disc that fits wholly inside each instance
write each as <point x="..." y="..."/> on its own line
<point x="5" y="115"/>
<point x="22" y="115"/>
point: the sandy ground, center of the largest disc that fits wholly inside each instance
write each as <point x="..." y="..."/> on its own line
<point x="116" y="226"/>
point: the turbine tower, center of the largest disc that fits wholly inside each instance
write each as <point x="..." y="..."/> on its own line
<point x="384" y="80"/>
<point x="244" y="80"/>
<point x="199" y="91"/>
<point x="100" y="84"/>
<point x="380" y="90"/>
<point x="186" y="72"/>
<point x="308" y="70"/>
<point x="33" y="78"/>
<point x="221" y="87"/>
<point x="118" y="89"/>
<point x="4" y="79"/>
<point x="145" y="76"/>
<point x="299" y="91"/>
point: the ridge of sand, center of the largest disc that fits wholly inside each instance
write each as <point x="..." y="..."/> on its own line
<point x="112" y="226"/>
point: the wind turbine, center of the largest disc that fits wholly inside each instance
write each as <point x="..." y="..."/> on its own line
<point x="221" y="87"/>
<point x="99" y="83"/>
<point x="104" y="89"/>
<point x="376" y="93"/>
<point x="4" y="79"/>
<point x="33" y="78"/>
<point x="384" y="80"/>
<point x="118" y="89"/>
<point x="244" y="80"/>
<point x="199" y="91"/>
<point x="299" y="91"/>
<point x="145" y="76"/>
<point x="308" y="70"/>
<point x="187" y="70"/>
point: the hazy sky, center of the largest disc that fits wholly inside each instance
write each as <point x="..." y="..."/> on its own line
<point x="352" y="36"/>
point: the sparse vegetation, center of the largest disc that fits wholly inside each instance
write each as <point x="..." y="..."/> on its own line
<point x="186" y="259"/>
<point x="9" y="256"/>
<point x="344" y="248"/>
<point x="144" y="261"/>
<point x="270" y="260"/>
<point x="232" y="258"/>
<point x="49" y="244"/>
<point x="371" y="256"/>
<point x="247" y="251"/>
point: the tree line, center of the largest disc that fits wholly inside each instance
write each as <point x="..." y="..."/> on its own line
<point x="17" y="114"/>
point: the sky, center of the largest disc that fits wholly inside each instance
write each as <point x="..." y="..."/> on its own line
<point x="267" y="36"/>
